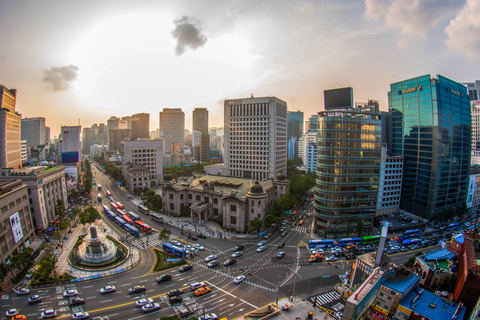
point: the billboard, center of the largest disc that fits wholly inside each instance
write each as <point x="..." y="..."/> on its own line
<point x="338" y="98"/>
<point x="70" y="157"/>
<point x="16" y="227"/>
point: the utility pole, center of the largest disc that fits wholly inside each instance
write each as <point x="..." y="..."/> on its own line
<point x="292" y="298"/>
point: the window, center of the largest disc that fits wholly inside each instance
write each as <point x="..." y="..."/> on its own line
<point x="172" y="206"/>
<point x="233" y="208"/>
<point x="171" y="196"/>
<point x="190" y="196"/>
<point x="197" y="197"/>
<point x="181" y="197"/>
<point x="233" y="220"/>
<point x="215" y="200"/>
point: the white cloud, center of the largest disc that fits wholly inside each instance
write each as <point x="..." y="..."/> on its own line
<point x="304" y="7"/>
<point x="375" y="9"/>
<point x="464" y="31"/>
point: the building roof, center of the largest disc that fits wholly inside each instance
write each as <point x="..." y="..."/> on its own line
<point x="431" y="306"/>
<point x="472" y="251"/>
<point x="458" y="238"/>
<point x="400" y="280"/>
<point x="135" y="167"/>
<point x="441" y="254"/>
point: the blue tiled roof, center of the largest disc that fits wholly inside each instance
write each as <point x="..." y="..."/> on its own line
<point x="431" y="306"/>
<point x="400" y="282"/>
<point x="440" y="255"/>
<point x="459" y="238"/>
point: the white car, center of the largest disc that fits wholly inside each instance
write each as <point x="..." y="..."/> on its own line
<point x="331" y="258"/>
<point x="49" y="313"/>
<point x="142" y="302"/>
<point x="210" y="258"/>
<point x="177" y="243"/>
<point x="81" y="315"/>
<point x="261" y="243"/>
<point x="260" y="249"/>
<point x="239" y="279"/>
<point x="108" y="289"/>
<point x="70" y="293"/>
<point x="11" y="312"/>
<point x="194" y="286"/>
<point x="198" y="247"/>
<point x="151" y="307"/>
<point x="22" y="291"/>
<point x="209" y="316"/>
<point x="237" y="254"/>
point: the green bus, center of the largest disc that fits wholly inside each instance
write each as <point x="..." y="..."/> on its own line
<point x="370" y="239"/>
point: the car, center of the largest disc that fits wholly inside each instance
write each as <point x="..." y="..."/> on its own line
<point x="237" y="254"/>
<point x="142" y="302"/>
<point x="229" y="262"/>
<point x="301" y="222"/>
<point x="70" y="293"/>
<point x="392" y="251"/>
<point x="188" y="247"/>
<point x="34" y="299"/>
<point x="151" y="307"/>
<point x="108" y="289"/>
<point x="317" y="250"/>
<point x="239" y="248"/>
<point x="201" y="235"/>
<point x="282" y="229"/>
<point x="174" y="293"/>
<point x="76" y="301"/>
<point x="197" y="285"/>
<point x="185" y="268"/>
<point x="49" y="313"/>
<point x="239" y="279"/>
<point x="284" y="233"/>
<point x="210" y="258"/>
<point x="209" y="316"/>
<point x="136" y="289"/>
<point x="331" y="258"/>
<point x="173" y="300"/>
<point x="213" y="263"/>
<point x="284" y="222"/>
<point x="202" y="291"/>
<point x="184" y="311"/>
<point x="280" y="254"/>
<point x="22" y="291"/>
<point x="177" y="243"/>
<point x="403" y="249"/>
<point x="281" y="245"/>
<point x="262" y="243"/>
<point x="198" y="247"/>
<point x="11" y="312"/>
<point x="100" y="318"/>
<point x="262" y="248"/>
<point x="80" y="315"/>
<point x="267" y="235"/>
<point x="164" y="277"/>
<point x="19" y="317"/>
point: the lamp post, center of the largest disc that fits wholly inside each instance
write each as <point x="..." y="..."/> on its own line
<point x="295" y="271"/>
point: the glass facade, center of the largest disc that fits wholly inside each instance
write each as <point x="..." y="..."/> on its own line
<point x="349" y="153"/>
<point x="431" y="128"/>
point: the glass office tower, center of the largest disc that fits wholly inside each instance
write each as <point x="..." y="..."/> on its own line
<point x="431" y="128"/>
<point x="348" y="167"/>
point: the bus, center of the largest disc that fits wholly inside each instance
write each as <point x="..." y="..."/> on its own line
<point x="143" y="226"/>
<point x="156" y="217"/>
<point x="327" y="243"/>
<point x="173" y="249"/>
<point x="120" y="206"/>
<point x="99" y="187"/>
<point x="110" y="214"/>
<point x="119" y="221"/>
<point x="133" y="215"/>
<point x="99" y="196"/>
<point x="453" y="226"/>
<point x="411" y="233"/>
<point x="131" y="229"/>
<point x="108" y="193"/>
<point x="370" y="239"/>
<point x="348" y="241"/>
<point x="105" y="209"/>
<point x="143" y="210"/>
<point x="127" y="219"/>
<point x="409" y="242"/>
<point x="114" y="206"/>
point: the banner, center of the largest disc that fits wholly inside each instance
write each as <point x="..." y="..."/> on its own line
<point x="16" y="227"/>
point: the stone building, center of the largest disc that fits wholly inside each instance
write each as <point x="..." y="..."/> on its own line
<point x="136" y="176"/>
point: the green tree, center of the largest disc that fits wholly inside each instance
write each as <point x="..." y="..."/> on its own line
<point x="256" y="224"/>
<point x="164" y="235"/>
<point x="152" y="200"/>
<point x="360" y="227"/>
<point x="89" y="215"/>
<point x="22" y="259"/>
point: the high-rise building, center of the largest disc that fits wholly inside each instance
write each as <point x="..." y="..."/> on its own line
<point x="140" y="126"/>
<point x="10" y="130"/>
<point x="255" y="137"/>
<point x="311" y="158"/>
<point x="116" y="138"/>
<point x="172" y="127"/>
<point x="474" y="94"/>
<point x="292" y="148"/>
<point x="431" y="128"/>
<point x="200" y="124"/>
<point x="148" y="154"/>
<point x="33" y="130"/>
<point x="305" y="139"/>
<point x="312" y="124"/>
<point x="114" y="123"/>
<point x="294" y="129"/>
<point x="47" y="134"/>
<point x="69" y="145"/>
<point x="349" y="153"/>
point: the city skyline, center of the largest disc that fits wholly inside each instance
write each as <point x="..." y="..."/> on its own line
<point x="86" y="61"/>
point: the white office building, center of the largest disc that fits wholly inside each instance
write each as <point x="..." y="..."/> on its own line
<point x="147" y="153"/>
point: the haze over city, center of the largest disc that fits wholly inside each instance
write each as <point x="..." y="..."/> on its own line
<point x="90" y="60"/>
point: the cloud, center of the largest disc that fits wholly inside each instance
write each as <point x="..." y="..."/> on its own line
<point x="463" y="31"/>
<point x="187" y="35"/>
<point x="60" y="78"/>
<point x="304" y="7"/>
<point x="375" y="9"/>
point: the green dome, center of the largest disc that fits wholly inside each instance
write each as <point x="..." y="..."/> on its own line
<point x="256" y="188"/>
<point x="281" y="176"/>
<point x="167" y="176"/>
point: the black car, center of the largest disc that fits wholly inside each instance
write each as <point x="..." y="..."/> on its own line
<point x="238" y="248"/>
<point x="175" y="299"/>
<point x="174" y="293"/>
<point x="281" y="244"/>
<point x="136" y="289"/>
<point x="77" y="301"/>
<point x="185" y="268"/>
<point x="192" y="237"/>
<point x="164" y="278"/>
<point x="229" y="262"/>
<point x="201" y="235"/>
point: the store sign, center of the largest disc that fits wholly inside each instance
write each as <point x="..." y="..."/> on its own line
<point x="455" y="92"/>
<point x="16" y="227"/>
<point x="404" y="310"/>
<point x="475" y="103"/>
<point x="409" y="90"/>
<point x="380" y="310"/>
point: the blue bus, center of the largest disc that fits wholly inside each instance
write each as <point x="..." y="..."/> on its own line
<point x="119" y="221"/>
<point x="132" y="230"/>
<point x="411" y="233"/>
<point x="133" y="215"/>
<point x="409" y="242"/>
<point x="348" y="241"/>
<point x="453" y="226"/>
<point x="173" y="249"/>
<point x="328" y="243"/>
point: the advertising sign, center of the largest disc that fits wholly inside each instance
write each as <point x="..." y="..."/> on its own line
<point x="16" y="227"/>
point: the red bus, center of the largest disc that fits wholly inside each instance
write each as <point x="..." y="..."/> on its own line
<point x="113" y="205"/>
<point x="120" y="206"/>
<point x="127" y="218"/>
<point x="143" y="226"/>
<point x="109" y="194"/>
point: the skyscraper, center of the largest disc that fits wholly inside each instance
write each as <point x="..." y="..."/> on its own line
<point x="69" y="145"/>
<point x="200" y="124"/>
<point x="255" y="137"/>
<point x="172" y="127"/>
<point x="10" y="130"/>
<point x="431" y="128"/>
<point x="33" y="130"/>
<point x="474" y="94"/>
<point x="140" y="126"/>
<point x="294" y="129"/>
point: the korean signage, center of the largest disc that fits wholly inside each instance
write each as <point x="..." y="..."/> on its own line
<point x="380" y="310"/>
<point x="16" y="227"/>
<point x="404" y="310"/>
<point x="475" y="103"/>
<point x="410" y="90"/>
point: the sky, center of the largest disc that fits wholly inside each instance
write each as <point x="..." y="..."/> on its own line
<point x="81" y="62"/>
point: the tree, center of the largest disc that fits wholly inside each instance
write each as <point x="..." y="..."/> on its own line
<point x="360" y="227"/>
<point x="89" y="215"/>
<point x="22" y="259"/>
<point x="152" y="200"/>
<point x="256" y="224"/>
<point x="164" y="235"/>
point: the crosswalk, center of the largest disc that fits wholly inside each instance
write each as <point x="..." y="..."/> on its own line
<point x="325" y="298"/>
<point x="145" y="242"/>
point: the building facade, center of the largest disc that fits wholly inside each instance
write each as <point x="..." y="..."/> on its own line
<point x="311" y="158"/>
<point x="10" y="130"/>
<point x="136" y="177"/>
<point x="140" y="126"/>
<point x="305" y="140"/>
<point x="148" y="154"/>
<point x="69" y="145"/>
<point x="200" y="124"/>
<point x="255" y="137"/>
<point x="172" y="127"/>
<point x="33" y="130"/>
<point x="431" y="128"/>
<point x="390" y="184"/>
